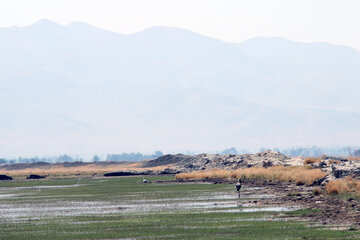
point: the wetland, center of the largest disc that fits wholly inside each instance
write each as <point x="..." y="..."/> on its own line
<point x="125" y="208"/>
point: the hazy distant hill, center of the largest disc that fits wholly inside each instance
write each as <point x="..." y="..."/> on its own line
<point x="307" y="75"/>
<point x="77" y="88"/>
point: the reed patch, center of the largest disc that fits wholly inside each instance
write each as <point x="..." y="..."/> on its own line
<point x="311" y="160"/>
<point x="346" y="185"/>
<point x="298" y="175"/>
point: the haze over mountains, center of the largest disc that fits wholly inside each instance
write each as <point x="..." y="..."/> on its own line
<point x="81" y="89"/>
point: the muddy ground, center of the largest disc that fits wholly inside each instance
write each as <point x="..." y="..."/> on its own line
<point x="328" y="209"/>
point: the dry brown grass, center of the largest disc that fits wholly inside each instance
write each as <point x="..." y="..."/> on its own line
<point x="299" y="175"/>
<point x="347" y="185"/>
<point x="310" y="160"/>
<point x="86" y="170"/>
<point x="317" y="191"/>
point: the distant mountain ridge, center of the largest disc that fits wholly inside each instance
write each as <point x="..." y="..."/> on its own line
<point x="76" y="88"/>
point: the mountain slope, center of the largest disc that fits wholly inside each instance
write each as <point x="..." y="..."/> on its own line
<point x="77" y="88"/>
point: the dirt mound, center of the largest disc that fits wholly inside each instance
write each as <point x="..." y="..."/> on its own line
<point x="5" y="177"/>
<point x="168" y="159"/>
<point x="168" y="171"/>
<point x="35" y="176"/>
<point x="338" y="168"/>
<point x="114" y="174"/>
<point x="205" y="161"/>
<point x="123" y="173"/>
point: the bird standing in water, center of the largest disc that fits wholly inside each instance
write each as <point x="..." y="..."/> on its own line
<point x="145" y="181"/>
<point x="238" y="187"/>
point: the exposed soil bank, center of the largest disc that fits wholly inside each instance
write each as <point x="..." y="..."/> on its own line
<point x="330" y="209"/>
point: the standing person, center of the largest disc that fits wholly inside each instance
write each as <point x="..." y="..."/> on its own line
<point x="238" y="187"/>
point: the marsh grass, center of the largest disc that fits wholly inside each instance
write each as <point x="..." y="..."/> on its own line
<point x="298" y="175"/>
<point x="311" y="160"/>
<point x="173" y="224"/>
<point x="347" y="185"/>
<point x="317" y="191"/>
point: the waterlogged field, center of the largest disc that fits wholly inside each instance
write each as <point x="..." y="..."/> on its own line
<point x="125" y="208"/>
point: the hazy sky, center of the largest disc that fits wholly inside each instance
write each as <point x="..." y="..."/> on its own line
<point x="334" y="21"/>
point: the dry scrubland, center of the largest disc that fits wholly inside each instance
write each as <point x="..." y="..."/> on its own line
<point x="299" y="175"/>
<point x="303" y="175"/>
<point x="311" y="160"/>
<point x="85" y="170"/>
<point x="343" y="186"/>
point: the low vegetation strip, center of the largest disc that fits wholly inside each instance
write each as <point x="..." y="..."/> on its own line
<point x="347" y="185"/>
<point x="299" y="175"/>
<point x="83" y="169"/>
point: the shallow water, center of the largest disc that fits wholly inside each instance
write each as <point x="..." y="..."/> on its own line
<point x="39" y="187"/>
<point x="42" y="207"/>
<point x="8" y="195"/>
<point x="258" y="209"/>
<point x="77" y="208"/>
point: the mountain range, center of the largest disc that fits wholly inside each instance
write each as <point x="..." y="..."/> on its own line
<point x="80" y="89"/>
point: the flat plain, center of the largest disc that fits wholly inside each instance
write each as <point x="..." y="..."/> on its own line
<point x="126" y="208"/>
